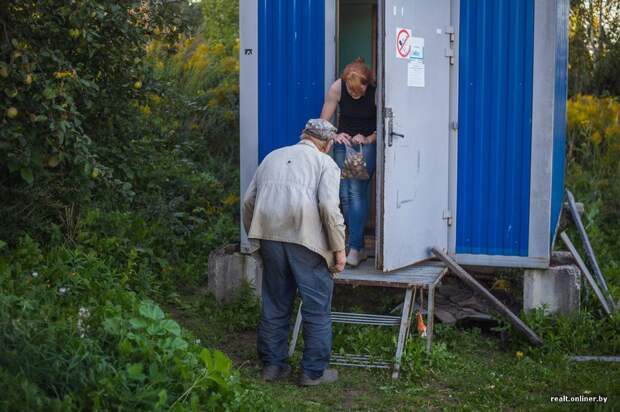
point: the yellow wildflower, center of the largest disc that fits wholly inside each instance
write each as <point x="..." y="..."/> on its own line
<point x="231" y="199"/>
<point x="154" y="98"/>
<point x="145" y="110"/>
<point x="62" y="74"/>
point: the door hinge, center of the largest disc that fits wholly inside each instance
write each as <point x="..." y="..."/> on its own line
<point x="449" y="30"/>
<point x="454" y="125"/>
<point x="447" y="216"/>
<point x="448" y="52"/>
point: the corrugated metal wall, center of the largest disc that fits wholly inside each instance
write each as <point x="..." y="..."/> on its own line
<point x="291" y="69"/>
<point x="559" y="127"/>
<point x="495" y="126"/>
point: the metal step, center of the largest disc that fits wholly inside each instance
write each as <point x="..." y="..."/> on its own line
<point x="360" y="361"/>
<point x="365" y="319"/>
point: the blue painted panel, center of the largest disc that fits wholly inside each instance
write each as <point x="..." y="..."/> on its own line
<point x="495" y="126"/>
<point x="290" y="69"/>
<point x="559" y="120"/>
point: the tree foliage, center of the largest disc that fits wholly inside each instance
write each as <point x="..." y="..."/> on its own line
<point x="71" y="76"/>
<point x="118" y="177"/>
<point x="594" y="44"/>
<point x="221" y="17"/>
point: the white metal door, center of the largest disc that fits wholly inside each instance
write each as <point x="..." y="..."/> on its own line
<point x="416" y="86"/>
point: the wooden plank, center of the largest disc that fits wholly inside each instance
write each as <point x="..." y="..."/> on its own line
<point x="418" y="275"/>
<point x="477" y="287"/>
<point x="588" y="247"/>
<point x="586" y="272"/>
<point x="595" y="358"/>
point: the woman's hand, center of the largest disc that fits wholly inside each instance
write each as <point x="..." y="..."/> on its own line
<point x="359" y="139"/>
<point x="343" y="138"/>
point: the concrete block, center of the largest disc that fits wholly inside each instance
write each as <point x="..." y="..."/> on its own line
<point x="229" y="270"/>
<point x="561" y="258"/>
<point x="557" y="287"/>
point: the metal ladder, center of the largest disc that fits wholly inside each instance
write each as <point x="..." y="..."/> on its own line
<point x="416" y="278"/>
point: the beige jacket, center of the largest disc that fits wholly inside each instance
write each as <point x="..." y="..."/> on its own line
<point x="294" y="197"/>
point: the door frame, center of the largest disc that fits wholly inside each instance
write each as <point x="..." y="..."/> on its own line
<point x="455" y="12"/>
<point x="380" y="169"/>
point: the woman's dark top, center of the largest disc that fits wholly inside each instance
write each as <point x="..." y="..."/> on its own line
<point x="357" y="116"/>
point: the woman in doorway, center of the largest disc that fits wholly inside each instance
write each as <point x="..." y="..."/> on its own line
<point x="354" y="95"/>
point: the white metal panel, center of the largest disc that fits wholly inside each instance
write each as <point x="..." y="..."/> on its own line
<point x="542" y="127"/>
<point x="501" y="261"/>
<point x="380" y="170"/>
<point x="416" y="170"/>
<point x="454" y="120"/>
<point x="330" y="43"/>
<point x="248" y="99"/>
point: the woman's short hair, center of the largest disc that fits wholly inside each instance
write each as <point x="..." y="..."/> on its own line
<point x="357" y="73"/>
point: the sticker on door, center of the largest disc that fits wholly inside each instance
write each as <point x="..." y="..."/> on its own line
<point x="404" y="45"/>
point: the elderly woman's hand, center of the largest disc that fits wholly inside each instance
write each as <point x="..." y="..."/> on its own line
<point x="343" y="138"/>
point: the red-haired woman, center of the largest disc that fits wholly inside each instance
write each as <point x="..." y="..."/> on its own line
<point x="354" y="95"/>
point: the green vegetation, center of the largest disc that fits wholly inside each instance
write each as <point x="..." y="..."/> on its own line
<point x="593" y="173"/>
<point x="75" y="336"/>
<point x="119" y="175"/>
<point x="468" y="369"/>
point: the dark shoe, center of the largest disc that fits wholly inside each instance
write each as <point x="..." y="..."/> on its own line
<point x="274" y="372"/>
<point x="329" y="376"/>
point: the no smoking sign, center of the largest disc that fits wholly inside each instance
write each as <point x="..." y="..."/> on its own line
<point x="403" y="43"/>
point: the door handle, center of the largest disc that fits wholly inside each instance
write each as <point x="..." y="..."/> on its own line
<point x="389" y="114"/>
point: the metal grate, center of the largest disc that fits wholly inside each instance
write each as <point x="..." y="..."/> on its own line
<point x="360" y="361"/>
<point x="365" y="319"/>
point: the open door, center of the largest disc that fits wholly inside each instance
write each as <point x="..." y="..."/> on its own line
<point x="416" y="110"/>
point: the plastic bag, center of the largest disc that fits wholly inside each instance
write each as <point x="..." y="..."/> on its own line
<point x="355" y="166"/>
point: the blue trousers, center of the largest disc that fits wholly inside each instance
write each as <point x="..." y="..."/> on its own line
<point x="289" y="267"/>
<point x="354" y="194"/>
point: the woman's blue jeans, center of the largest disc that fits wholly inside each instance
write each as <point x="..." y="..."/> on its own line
<point x="354" y="194"/>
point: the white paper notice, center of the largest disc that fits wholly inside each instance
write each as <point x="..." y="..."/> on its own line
<point x="415" y="73"/>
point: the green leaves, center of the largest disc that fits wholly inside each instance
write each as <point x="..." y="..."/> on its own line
<point x="136" y="323"/>
<point x="113" y="325"/>
<point x="135" y="371"/>
<point x="171" y="327"/>
<point x="150" y="310"/>
<point x="216" y="361"/>
<point x="26" y="174"/>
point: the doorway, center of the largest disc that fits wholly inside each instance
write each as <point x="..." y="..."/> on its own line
<point x="356" y="36"/>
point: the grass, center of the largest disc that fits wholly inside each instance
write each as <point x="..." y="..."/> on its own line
<point x="468" y="370"/>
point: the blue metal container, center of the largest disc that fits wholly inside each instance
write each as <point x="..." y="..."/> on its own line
<point x="508" y="87"/>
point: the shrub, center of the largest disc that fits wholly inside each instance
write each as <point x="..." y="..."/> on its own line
<point x="70" y="74"/>
<point x="74" y="336"/>
<point x="593" y="174"/>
